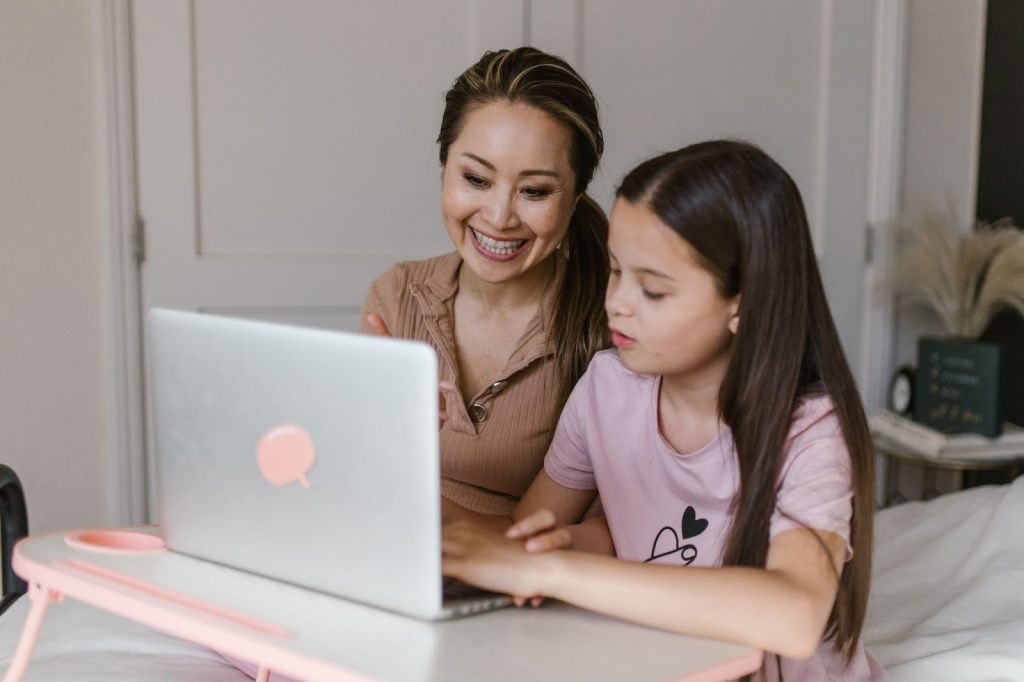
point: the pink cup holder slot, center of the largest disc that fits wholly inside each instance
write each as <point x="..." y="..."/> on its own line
<point x="115" y="542"/>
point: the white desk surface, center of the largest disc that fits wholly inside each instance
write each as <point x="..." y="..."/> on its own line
<point x="344" y="640"/>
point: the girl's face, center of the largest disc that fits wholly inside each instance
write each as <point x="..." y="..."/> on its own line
<point x="665" y="312"/>
<point x="508" y="189"/>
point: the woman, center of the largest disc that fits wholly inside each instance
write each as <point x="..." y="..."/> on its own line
<point x="515" y="311"/>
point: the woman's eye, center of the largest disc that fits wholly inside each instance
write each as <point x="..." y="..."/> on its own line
<point x="535" y="192"/>
<point x="474" y="180"/>
<point x="652" y="295"/>
<point x="614" y="272"/>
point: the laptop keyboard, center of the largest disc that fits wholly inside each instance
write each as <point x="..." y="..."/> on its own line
<point x="453" y="588"/>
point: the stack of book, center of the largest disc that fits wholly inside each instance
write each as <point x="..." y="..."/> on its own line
<point x="927" y="441"/>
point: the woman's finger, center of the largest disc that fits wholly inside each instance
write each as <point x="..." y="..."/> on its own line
<point x="442" y="413"/>
<point x="377" y="325"/>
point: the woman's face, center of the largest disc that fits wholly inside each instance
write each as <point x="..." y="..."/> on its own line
<point x="508" y="189"/>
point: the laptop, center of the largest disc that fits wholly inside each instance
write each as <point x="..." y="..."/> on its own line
<point x="303" y="455"/>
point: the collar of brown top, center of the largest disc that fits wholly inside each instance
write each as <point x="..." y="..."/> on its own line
<point x="435" y="296"/>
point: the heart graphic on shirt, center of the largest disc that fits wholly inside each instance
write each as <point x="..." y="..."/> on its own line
<point x="691" y="525"/>
<point x="667" y="542"/>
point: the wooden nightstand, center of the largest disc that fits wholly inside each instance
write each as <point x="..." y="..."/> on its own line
<point x="969" y="467"/>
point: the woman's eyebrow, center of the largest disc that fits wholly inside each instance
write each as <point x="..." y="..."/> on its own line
<point x="483" y="162"/>
<point x="490" y="166"/>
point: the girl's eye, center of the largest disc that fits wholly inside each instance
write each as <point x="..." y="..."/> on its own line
<point x="535" y="192"/>
<point x="614" y="272"/>
<point x="474" y="180"/>
<point x="652" y="295"/>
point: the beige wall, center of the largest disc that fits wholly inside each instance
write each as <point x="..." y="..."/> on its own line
<point x="51" y="402"/>
<point x="945" y="55"/>
<point x="55" y="346"/>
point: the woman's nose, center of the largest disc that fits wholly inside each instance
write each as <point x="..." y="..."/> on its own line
<point x="500" y="211"/>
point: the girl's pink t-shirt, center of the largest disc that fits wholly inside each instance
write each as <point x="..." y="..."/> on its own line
<point x="671" y="508"/>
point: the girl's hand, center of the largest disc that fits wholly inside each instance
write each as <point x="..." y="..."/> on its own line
<point x="488" y="560"/>
<point x="375" y="325"/>
<point x="541" y="532"/>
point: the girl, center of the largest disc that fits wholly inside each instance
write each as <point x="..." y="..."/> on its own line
<point x="724" y="433"/>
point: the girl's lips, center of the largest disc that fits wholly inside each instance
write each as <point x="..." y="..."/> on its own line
<point x="621" y="341"/>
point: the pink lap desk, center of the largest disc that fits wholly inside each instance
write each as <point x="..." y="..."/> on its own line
<point x="309" y="635"/>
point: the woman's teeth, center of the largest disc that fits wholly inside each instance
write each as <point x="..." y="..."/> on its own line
<point x="500" y="248"/>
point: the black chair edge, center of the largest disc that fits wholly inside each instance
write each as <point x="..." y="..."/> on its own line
<point x="15" y="526"/>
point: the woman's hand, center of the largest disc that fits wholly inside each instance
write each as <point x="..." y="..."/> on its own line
<point x="486" y="559"/>
<point x="375" y="324"/>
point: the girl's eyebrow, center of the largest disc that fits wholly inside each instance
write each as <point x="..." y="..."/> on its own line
<point x="656" y="273"/>
<point x="490" y="166"/>
<point x="645" y="271"/>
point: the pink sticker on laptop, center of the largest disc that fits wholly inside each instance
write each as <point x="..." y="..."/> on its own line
<point x="285" y="454"/>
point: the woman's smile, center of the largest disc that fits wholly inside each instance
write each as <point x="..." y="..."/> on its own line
<point x="496" y="249"/>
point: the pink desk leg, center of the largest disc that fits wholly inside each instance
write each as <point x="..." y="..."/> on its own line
<point x="263" y="675"/>
<point x="41" y="598"/>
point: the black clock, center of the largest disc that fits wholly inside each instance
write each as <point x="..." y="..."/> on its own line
<point x="901" y="391"/>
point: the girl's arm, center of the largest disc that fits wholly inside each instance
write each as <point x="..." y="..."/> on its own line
<point x="563" y="504"/>
<point x="547" y="515"/>
<point x="544" y="517"/>
<point x="782" y="608"/>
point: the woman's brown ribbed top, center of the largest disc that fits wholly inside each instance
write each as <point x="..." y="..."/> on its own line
<point x="485" y="466"/>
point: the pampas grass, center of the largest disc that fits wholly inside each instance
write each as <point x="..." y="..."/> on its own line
<point x="966" y="279"/>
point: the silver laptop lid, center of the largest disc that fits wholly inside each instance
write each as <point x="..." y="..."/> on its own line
<point x="304" y="455"/>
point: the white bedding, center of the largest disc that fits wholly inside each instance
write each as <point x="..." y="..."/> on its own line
<point x="82" y="643"/>
<point x="947" y="604"/>
<point x="947" y="601"/>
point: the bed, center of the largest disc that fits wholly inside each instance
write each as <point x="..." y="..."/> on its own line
<point x="947" y="599"/>
<point x="947" y="603"/>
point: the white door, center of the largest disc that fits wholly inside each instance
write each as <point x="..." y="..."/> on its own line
<point x="286" y="150"/>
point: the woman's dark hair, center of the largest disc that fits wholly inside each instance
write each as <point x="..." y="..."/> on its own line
<point x="743" y="215"/>
<point x="528" y="76"/>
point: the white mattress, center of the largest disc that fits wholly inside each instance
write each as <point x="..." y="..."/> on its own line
<point x="82" y="643"/>
<point x="947" y="601"/>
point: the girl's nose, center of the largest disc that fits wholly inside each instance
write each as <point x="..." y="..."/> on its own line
<point x="615" y="304"/>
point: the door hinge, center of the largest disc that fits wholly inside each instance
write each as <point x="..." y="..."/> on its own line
<point x="869" y="243"/>
<point x="139" y="240"/>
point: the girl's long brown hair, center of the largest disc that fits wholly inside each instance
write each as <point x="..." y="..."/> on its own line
<point x="743" y="215"/>
<point x="540" y="80"/>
